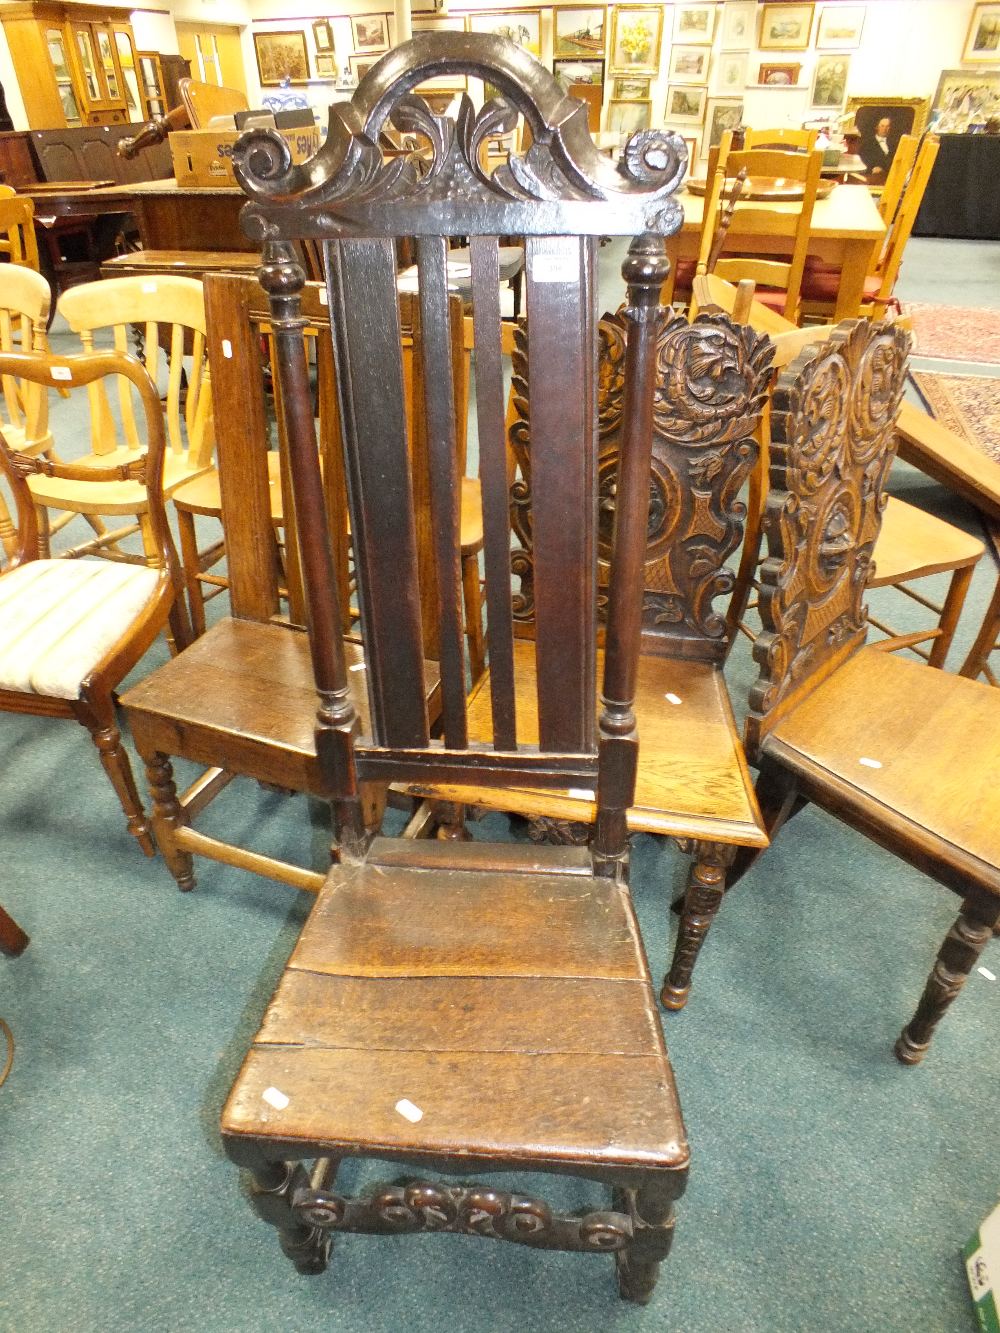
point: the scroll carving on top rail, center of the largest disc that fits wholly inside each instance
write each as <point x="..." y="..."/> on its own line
<point x="711" y="382"/>
<point x="449" y="165"/>
<point x="833" y="434"/>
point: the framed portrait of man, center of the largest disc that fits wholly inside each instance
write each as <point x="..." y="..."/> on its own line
<point x="881" y="122"/>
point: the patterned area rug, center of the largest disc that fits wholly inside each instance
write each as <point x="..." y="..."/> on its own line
<point x="967" y="404"/>
<point x="954" y="332"/>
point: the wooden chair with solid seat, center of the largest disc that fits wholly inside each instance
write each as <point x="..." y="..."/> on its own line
<point x="821" y="281"/>
<point x="904" y="755"/>
<point x="70" y="631"/>
<point x="17" y="231"/>
<point x="430" y="970"/>
<point x="721" y="198"/>
<point x="165" y="308"/>
<point x="912" y="544"/>
<point x="766" y="245"/>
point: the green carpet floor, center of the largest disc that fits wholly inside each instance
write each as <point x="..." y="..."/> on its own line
<point x="830" y="1189"/>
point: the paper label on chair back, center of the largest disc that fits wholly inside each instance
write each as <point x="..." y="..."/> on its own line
<point x="62" y="373"/>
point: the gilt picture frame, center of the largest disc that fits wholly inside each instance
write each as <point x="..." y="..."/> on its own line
<point x="636" y="38"/>
<point x="579" y="31"/>
<point x="281" y="55"/>
<point x="785" y="27"/>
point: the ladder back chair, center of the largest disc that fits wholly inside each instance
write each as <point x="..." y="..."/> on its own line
<point x="241" y="699"/>
<point x="429" y="970"/>
<point x="165" y="312"/>
<point x="912" y="544"/>
<point x="831" y="721"/>
<point x="71" y="630"/>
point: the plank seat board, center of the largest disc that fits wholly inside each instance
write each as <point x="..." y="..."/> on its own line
<point x="544" y="1015"/>
<point x="690" y="760"/>
<point x="912" y="543"/>
<point x="586" y="1110"/>
<point x="936" y="737"/>
<point x="387" y="921"/>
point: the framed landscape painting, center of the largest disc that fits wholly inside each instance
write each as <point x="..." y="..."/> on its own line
<point x="523" y="26"/>
<point x="578" y="31"/>
<point x="785" y="27"/>
<point x="689" y="64"/>
<point x="580" y="71"/>
<point x="722" y="114"/>
<point x="839" y="27"/>
<point x="624" y="118"/>
<point x="631" y="88"/>
<point x="686" y="104"/>
<point x="370" y="32"/>
<point x="694" y="24"/>
<point x="281" y="55"/>
<point x="636" y="34"/>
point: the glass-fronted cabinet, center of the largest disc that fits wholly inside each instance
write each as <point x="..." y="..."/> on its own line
<point x="100" y="74"/>
<point x="56" y="42"/>
<point x="151" y="84"/>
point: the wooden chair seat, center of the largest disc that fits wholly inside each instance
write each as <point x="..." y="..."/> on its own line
<point x="693" y="781"/>
<point x="939" y="790"/>
<point x="913" y="544"/>
<point x="510" y="1006"/>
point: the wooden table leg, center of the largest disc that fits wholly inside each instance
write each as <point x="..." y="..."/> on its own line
<point x="857" y="260"/>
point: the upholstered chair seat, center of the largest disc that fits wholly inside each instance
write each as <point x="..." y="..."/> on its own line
<point x="59" y="618"/>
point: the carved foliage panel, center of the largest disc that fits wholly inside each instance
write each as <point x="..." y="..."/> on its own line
<point x="712" y="379"/>
<point x="833" y="437"/>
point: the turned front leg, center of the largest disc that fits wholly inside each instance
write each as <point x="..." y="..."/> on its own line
<point x="651" y="1208"/>
<point x="956" y="958"/>
<point x="272" y="1188"/>
<point x="706" y="885"/>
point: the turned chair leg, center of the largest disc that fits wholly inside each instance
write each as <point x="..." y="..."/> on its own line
<point x="98" y="716"/>
<point x="706" y="885"/>
<point x="451" y="822"/>
<point x="13" y="939"/>
<point x="779" y="802"/>
<point x="272" y="1187"/>
<point x="950" y="613"/>
<point x="963" y="944"/>
<point x="168" y="815"/>
<point x="472" y="597"/>
<point x="638" y="1264"/>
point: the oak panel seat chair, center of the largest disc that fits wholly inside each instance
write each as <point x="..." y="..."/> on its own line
<point x="165" y="307"/>
<point x="693" y="782"/>
<point x="906" y="755"/>
<point x="912" y="544"/>
<point x="241" y="699"/>
<point x="430" y="970"/>
<point x="71" y="630"/>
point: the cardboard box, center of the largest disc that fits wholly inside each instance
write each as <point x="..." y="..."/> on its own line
<point x="205" y="157"/>
<point x="982" y="1267"/>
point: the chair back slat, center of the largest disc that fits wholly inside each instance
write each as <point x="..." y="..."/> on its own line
<point x="562" y="355"/>
<point x="899" y="173"/>
<point x="445" y="485"/>
<point x="485" y="257"/>
<point x="362" y="277"/>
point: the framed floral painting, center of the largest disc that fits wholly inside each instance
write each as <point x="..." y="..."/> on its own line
<point x="636" y="36"/>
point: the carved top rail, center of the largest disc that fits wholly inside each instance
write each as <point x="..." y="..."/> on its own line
<point x="561" y="185"/>
<point x="833" y="431"/>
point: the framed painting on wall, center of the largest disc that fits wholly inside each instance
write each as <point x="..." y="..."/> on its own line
<point x="437" y="23"/>
<point x="829" y="87"/>
<point x="370" y="32"/>
<point x="730" y="75"/>
<point x="281" y="55"/>
<point x="694" y="25"/>
<point x="778" y="75"/>
<point x="881" y="122"/>
<point x="578" y="31"/>
<point x="839" y="27"/>
<point x="624" y="118"/>
<point x="739" y="22"/>
<point x="686" y="104"/>
<point x="523" y="26"/>
<point x="722" y="114"/>
<point x="580" y="71"/>
<point x="982" y="45"/>
<point x="360" y="65"/>
<point x="965" y="97"/>
<point x="636" y="35"/>
<point x="785" y="27"/>
<point x="631" y="88"/>
<point x="689" y="64"/>
<point x="326" y="65"/>
<point x="323" y="35"/>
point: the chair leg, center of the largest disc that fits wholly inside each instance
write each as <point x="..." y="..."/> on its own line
<point x="192" y="568"/>
<point x="779" y="802"/>
<point x="13" y="939"/>
<point x="167" y="815"/>
<point x="98" y="716"/>
<point x="950" y="612"/>
<point x="638" y="1264"/>
<point x="271" y="1189"/>
<point x="980" y="651"/>
<point x="963" y="944"/>
<point x="473" y="614"/>
<point x="706" y="885"/>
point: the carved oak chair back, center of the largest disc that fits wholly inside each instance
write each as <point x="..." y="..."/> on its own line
<point x="832" y="445"/>
<point x="496" y="921"/>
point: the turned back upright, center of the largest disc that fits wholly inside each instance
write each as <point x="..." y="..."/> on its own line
<point x="561" y="197"/>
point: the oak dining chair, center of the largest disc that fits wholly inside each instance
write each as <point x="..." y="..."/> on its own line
<point x="430" y="970"/>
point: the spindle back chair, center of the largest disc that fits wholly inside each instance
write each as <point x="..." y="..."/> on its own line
<point x="404" y="931"/>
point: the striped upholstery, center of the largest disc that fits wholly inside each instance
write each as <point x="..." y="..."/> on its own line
<point x="58" y="618"/>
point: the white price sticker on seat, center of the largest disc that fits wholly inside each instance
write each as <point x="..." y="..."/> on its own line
<point x="408" y="1111"/>
<point x="555" y="268"/>
<point x="275" y="1097"/>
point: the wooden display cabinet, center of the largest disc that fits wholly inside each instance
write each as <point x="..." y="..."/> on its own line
<point x="76" y="64"/>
